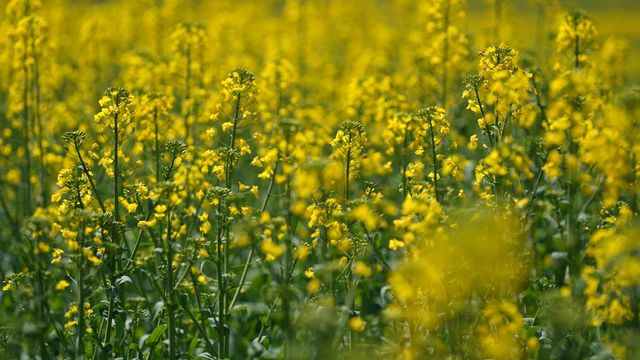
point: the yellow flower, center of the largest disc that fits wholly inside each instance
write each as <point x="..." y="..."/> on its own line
<point x="132" y="207"/>
<point x="56" y="255"/>
<point x="362" y="269"/>
<point x="313" y="286"/>
<point x="309" y="273"/>
<point x="7" y="287"/>
<point x="147" y="224"/>
<point x="364" y="214"/>
<point x="203" y="253"/>
<point x="61" y="285"/>
<point x="68" y="234"/>
<point x="357" y="324"/>
<point x="226" y="126"/>
<point x="395" y="244"/>
<point x="42" y="248"/>
<point x="271" y="249"/>
<point x="302" y="252"/>
<point x="473" y="142"/>
<point x="70" y="324"/>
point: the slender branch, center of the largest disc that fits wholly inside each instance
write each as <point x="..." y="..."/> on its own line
<point x="250" y="257"/>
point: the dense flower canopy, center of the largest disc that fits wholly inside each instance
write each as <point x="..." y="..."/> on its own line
<point x="307" y="179"/>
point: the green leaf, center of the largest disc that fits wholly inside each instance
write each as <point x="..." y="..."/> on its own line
<point x="155" y="335"/>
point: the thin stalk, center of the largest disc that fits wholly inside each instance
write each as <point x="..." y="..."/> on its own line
<point x="250" y="257"/>
<point x="88" y="174"/>
<point x="221" y="291"/>
<point x="107" y="335"/>
<point x="232" y="142"/>
<point x="80" y="275"/>
<point x="223" y="253"/>
<point x="156" y="144"/>
<point x="43" y="311"/>
<point x="475" y="90"/>
<point x="169" y="292"/>
<point x="201" y="329"/>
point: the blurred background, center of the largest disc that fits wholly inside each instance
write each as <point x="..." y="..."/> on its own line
<point x="619" y="18"/>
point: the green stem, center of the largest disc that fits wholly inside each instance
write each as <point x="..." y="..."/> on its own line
<point x="201" y="329"/>
<point x="475" y="89"/>
<point x="232" y="142"/>
<point x="250" y="257"/>
<point x="81" y="325"/>
<point x="221" y="290"/>
<point x="157" y="144"/>
<point x="169" y="292"/>
<point x="88" y="174"/>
